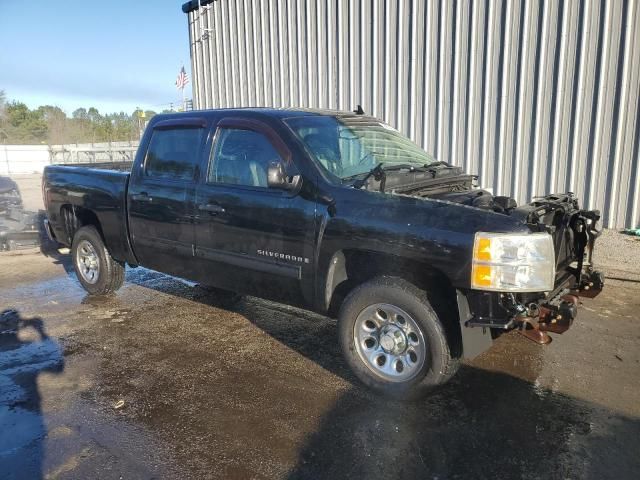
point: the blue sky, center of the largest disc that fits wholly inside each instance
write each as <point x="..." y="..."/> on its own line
<point x="114" y="55"/>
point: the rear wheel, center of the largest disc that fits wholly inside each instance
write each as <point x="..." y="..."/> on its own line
<point x="96" y="270"/>
<point x="393" y="339"/>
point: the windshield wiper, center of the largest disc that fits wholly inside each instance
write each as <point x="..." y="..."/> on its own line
<point x="379" y="173"/>
<point x="439" y="167"/>
<point x="439" y="163"/>
<point x="368" y="156"/>
<point x="376" y="172"/>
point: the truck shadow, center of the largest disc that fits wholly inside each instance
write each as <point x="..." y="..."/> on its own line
<point x="26" y="351"/>
<point x="483" y="424"/>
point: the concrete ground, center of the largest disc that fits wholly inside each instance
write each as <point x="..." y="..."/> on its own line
<point x="30" y="186"/>
<point x="159" y="382"/>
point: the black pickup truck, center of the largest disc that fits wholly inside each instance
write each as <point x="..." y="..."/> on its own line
<point x="337" y="213"/>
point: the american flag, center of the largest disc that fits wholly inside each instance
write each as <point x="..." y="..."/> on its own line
<point x="182" y="79"/>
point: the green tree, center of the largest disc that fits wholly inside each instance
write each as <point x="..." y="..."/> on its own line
<point x="124" y="126"/>
<point x="57" y="124"/>
<point x="80" y="114"/>
<point x="48" y="123"/>
<point x="24" y="125"/>
<point x="93" y="115"/>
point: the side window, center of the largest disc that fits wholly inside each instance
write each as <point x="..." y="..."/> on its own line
<point x="174" y="153"/>
<point x="241" y="157"/>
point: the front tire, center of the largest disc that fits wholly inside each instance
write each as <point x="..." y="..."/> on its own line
<point x="97" y="271"/>
<point x="393" y="340"/>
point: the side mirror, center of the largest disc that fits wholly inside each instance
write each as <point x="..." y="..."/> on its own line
<point x="277" y="177"/>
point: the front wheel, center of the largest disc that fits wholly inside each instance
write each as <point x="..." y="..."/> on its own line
<point x="393" y="340"/>
<point x="96" y="270"/>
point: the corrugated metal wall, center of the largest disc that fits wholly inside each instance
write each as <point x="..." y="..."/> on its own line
<point x="534" y="96"/>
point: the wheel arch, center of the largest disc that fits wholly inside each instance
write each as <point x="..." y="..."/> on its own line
<point x="111" y="229"/>
<point x="74" y="217"/>
<point x="349" y="268"/>
<point x="107" y="273"/>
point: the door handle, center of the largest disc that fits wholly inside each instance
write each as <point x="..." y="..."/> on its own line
<point x="141" y="197"/>
<point x="212" y="208"/>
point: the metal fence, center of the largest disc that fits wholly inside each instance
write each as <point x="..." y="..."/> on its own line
<point x="533" y="96"/>
<point x="24" y="159"/>
<point x="93" y="152"/>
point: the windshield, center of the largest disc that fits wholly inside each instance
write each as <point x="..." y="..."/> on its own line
<point x="352" y="146"/>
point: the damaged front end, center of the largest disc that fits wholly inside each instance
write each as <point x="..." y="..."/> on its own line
<point x="573" y="233"/>
<point x="504" y="301"/>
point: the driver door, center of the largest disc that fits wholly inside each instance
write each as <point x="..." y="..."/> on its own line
<point x="251" y="238"/>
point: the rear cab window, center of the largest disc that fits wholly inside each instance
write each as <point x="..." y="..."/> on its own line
<point x="174" y="153"/>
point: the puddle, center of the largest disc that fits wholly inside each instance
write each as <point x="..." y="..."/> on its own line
<point x="41" y="411"/>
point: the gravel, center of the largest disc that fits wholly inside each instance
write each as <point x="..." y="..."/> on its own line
<point x="618" y="255"/>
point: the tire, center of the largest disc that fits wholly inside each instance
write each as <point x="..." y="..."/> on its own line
<point x="404" y="329"/>
<point x="90" y="254"/>
<point x="220" y="297"/>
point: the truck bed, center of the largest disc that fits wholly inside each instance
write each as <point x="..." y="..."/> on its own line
<point x="98" y="189"/>
<point x="116" y="166"/>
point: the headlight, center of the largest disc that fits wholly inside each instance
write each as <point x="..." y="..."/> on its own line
<point x="513" y="262"/>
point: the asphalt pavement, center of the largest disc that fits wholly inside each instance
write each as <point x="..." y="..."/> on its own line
<point x="157" y="381"/>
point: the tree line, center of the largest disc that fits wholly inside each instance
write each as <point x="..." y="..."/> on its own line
<point x="50" y="125"/>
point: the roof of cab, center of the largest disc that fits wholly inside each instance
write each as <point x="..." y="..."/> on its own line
<point x="279" y="113"/>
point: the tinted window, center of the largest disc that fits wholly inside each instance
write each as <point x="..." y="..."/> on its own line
<point x="241" y="157"/>
<point x="174" y="153"/>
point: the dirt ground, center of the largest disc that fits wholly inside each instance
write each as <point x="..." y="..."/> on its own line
<point x="159" y="382"/>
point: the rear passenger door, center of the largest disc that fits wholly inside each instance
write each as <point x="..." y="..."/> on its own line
<point x="161" y="194"/>
<point x="249" y="237"/>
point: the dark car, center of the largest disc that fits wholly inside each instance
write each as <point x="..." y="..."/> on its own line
<point x="9" y="195"/>
<point x="337" y="213"/>
<point x="18" y="228"/>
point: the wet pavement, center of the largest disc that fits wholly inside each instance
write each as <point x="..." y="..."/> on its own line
<point x="159" y="382"/>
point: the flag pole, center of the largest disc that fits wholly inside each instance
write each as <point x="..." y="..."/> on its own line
<point x="181" y="82"/>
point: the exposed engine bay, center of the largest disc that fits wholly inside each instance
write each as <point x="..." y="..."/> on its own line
<point x="459" y="189"/>
<point x="574" y="231"/>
